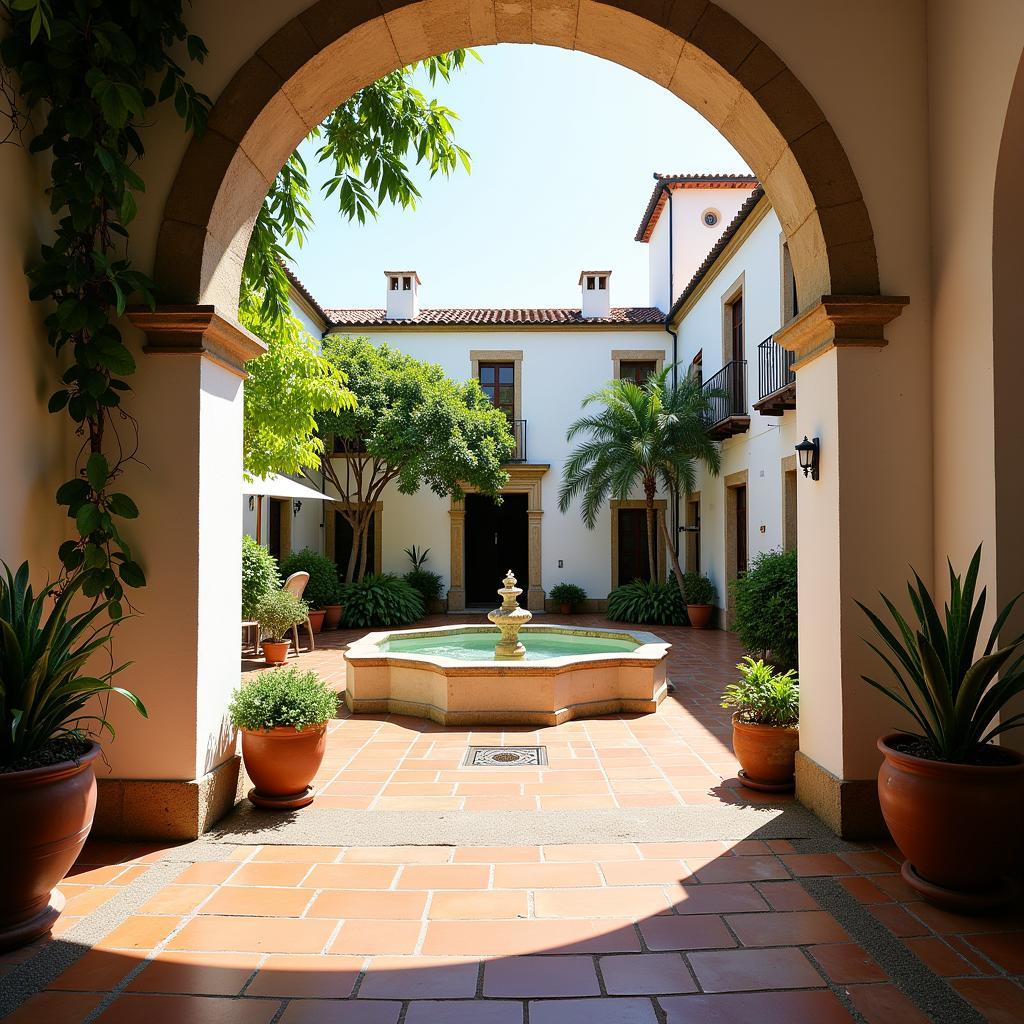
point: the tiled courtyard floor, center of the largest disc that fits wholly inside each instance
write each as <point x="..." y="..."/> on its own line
<point x="624" y="932"/>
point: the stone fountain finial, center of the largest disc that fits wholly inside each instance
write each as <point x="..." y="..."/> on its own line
<point x="509" y="618"/>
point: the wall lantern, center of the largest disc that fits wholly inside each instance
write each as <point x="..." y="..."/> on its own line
<point x="296" y="507"/>
<point x="807" y="453"/>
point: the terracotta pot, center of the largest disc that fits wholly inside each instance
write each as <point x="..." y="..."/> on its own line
<point x="332" y="616"/>
<point x="316" y="618"/>
<point x="699" y="615"/>
<point x="49" y="812"/>
<point x="565" y="609"/>
<point x="282" y="762"/>
<point x="766" y="753"/>
<point x="275" y="652"/>
<point x="958" y="825"/>
<point x="438" y="606"/>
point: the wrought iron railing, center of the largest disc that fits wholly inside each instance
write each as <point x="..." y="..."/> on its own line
<point x="727" y="390"/>
<point x="518" y="428"/>
<point x="774" y="368"/>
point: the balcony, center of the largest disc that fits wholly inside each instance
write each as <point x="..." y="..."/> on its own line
<point x="776" y="381"/>
<point x="729" y="404"/>
<point x="518" y="428"/>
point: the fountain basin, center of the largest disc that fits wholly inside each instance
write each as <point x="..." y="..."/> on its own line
<point x="450" y="675"/>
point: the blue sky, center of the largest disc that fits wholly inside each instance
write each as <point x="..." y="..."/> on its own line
<point x="564" y="146"/>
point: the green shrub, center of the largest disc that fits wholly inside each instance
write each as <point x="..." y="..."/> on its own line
<point x="698" y="588"/>
<point x="277" y="611"/>
<point x="322" y="588"/>
<point x="763" y="696"/>
<point x="429" y="584"/>
<point x="381" y="599"/>
<point x="259" y="575"/>
<point x="283" y="696"/>
<point x="764" y="600"/>
<point x="567" y="593"/>
<point x="647" y="602"/>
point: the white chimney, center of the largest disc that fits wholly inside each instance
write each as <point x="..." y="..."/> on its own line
<point x="403" y="295"/>
<point x="596" y="301"/>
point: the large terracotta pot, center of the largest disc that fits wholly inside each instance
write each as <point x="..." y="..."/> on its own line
<point x="766" y="753"/>
<point x="275" y="652"/>
<point x="699" y="615"/>
<point x="332" y="616"/>
<point x="565" y="609"/>
<point x="282" y="762"/>
<point x="49" y="812"/>
<point x="316" y="618"/>
<point x="959" y="826"/>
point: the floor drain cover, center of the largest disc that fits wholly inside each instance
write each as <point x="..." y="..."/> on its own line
<point x="505" y="757"/>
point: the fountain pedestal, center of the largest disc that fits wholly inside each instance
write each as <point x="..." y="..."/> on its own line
<point x="509" y="618"/>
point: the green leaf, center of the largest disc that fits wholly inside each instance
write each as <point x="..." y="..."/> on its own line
<point x="97" y="470"/>
<point x="58" y="400"/>
<point x="72" y="491"/>
<point x="122" y="505"/>
<point x="88" y="519"/>
<point x="132" y="574"/>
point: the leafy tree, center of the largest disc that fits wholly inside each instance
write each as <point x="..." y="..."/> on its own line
<point x="410" y="424"/>
<point x="644" y="435"/>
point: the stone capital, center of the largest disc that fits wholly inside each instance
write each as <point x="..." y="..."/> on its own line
<point x="840" y="321"/>
<point x="196" y="330"/>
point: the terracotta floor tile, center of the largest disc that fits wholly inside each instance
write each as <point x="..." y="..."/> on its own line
<point x="85" y="874"/>
<point x="139" y="933"/>
<point x="485" y="906"/>
<point x="690" y="932"/>
<point x="329" y="1011"/>
<point x="894" y="886"/>
<point x="646" y="974"/>
<point x="939" y="957"/>
<point x="846" y="963"/>
<point x="593" y="1011"/>
<point x="419" y="803"/>
<point x="97" y="970"/>
<point x="1005" y="949"/>
<point x="864" y="890"/>
<point x="253" y="934"/>
<point x="206" y="873"/>
<point x="132" y="1008"/>
<point x="885" y="1004"/>
<point x="746" y="970"/>
<point x="897" y="920"/>
<point x="482" y="938"/>
<point x="808" y="864"/>
<point x="416" y="977"/>
<point x="742" y="869"/>
<point x="177" y="900"/>
<point x="300" y="854"/>
<point x="729" y="898"/>
<point x="270" y="874"/>
<point x="531" y="977"/>
<point x="373" y="937"/>
<point x="350" y="876"/>
<point x="211" y="974"/>
<point x="55" y="1008"/>
<point x="870" y="862"/>
<point x="464" y="1012"/>
<point x="445" y="876"/>
<point x="645" y="872"/>
<point x="577" y="803"/>
<point x="760" y="1007"/>
<point x="257" y="901"/>
<point x="579" y="853"/>
<point x="83" y="900"/>
<point x="545" y="876"/>
<point x="306" y="977"/>
<point x="398" y="855"/>
<point x="680" y="851"/>
<point x="369" y="905"/>
<point x="504" y="803"/>
<point x="634" y="903"/>
<point x="1000" y="1000"/>
<point x="787" y="896"/>
<point x="799" y="928"/>
<point x="496" y="855"/>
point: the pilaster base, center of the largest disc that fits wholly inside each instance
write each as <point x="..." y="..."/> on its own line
<point x="848" y="806"/>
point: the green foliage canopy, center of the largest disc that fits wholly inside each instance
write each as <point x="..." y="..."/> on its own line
<point x="259" y="574"/>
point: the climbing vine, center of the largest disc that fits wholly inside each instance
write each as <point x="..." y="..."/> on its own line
<point x="91" y="72"/>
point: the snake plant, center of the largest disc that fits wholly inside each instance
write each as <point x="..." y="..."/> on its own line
<point x="45" y="655"/>
<point x="951" y="694"/>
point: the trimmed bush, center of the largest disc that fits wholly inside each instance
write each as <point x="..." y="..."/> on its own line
<point x="567" y="593"/>
<point x="259" y="575"/>
<point x="765" y="605"/>
<point x="698" y="588"/>
<point x="277" y="611"/>
<point x="283" y="696"/>
<point x="429" y="584"/>
<point x="322" y="588"/>
<point x="659" y="604"/>
<point x="381" y="599"/>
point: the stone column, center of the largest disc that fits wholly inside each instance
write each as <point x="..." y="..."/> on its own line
<point x="860" y="524"/>
<point x="535" y="590"/>
<point x="457" y="591"/>
<point x="175" y="773"/>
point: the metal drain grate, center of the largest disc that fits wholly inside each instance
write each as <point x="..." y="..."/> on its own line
<point x="505" y="757"/>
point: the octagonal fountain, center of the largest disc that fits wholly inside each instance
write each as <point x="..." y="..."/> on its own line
<point x="515" y="674"/>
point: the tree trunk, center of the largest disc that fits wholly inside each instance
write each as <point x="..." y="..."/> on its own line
<point x="652" y="561"/>
<point x="353" y="555"/>
<point x="363" y="542"/>
<point x="677" y="569"/>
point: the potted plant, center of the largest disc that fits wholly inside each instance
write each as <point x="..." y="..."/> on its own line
<point x="47" y="777"/>
<point x="259" y="575"/>
<point x="429" y="584"/>
<point x="276" y="612"/>
<point x="283" y="716"/>
<point x="765" y="736"/>
<point x="699" y="594"/>
<point x="567" y="596"/>
<point x="321" y="589"/>
<point x="950" y="797"/>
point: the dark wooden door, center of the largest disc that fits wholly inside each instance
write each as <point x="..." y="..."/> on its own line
<point x="274" y="533"/>
<point x="633" y="561"/>
<point x="741" y="530"/>
<point x="497" y="539"/>
<point x="343" y="546"/>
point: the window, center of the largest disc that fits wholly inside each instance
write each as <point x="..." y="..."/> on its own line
<point x="710" y="218"/>
<point x="790" y="306"/>
<point x="406" y="284"/>
<point x="637" y="370"/>
<point x="697" y="367"/>
<point x="498" y="381"/>
<point x="591" y="283"/>
<point x="735" y="309"/>
<point x="602" y="283"/>
<point x="394" y="284"/>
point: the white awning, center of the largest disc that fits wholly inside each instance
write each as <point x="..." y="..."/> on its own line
<point x="275" y="486"/>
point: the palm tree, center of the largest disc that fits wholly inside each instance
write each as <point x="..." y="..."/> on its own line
<point x="644" y="435"/>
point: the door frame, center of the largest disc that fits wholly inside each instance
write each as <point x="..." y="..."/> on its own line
<point x="524" y="479"/>
<point x="660" y="508"/>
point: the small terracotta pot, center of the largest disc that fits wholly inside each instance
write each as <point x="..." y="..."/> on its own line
<point x="316" y="618"/>
<point x="958" y="825"/>
<point x="766" y="753"/>
<point x="282" y="762"/>
<point x="699" y="615"/>
<point x="332" y="616"/>
<point x="49" y="813"/>
<point x="275" y="652"/>
<point x="565" y="609"/>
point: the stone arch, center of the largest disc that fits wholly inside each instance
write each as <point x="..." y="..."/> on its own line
<point x="693" y="48"/>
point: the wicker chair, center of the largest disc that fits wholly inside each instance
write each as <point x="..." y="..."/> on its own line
<point x="296" y="584"/>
